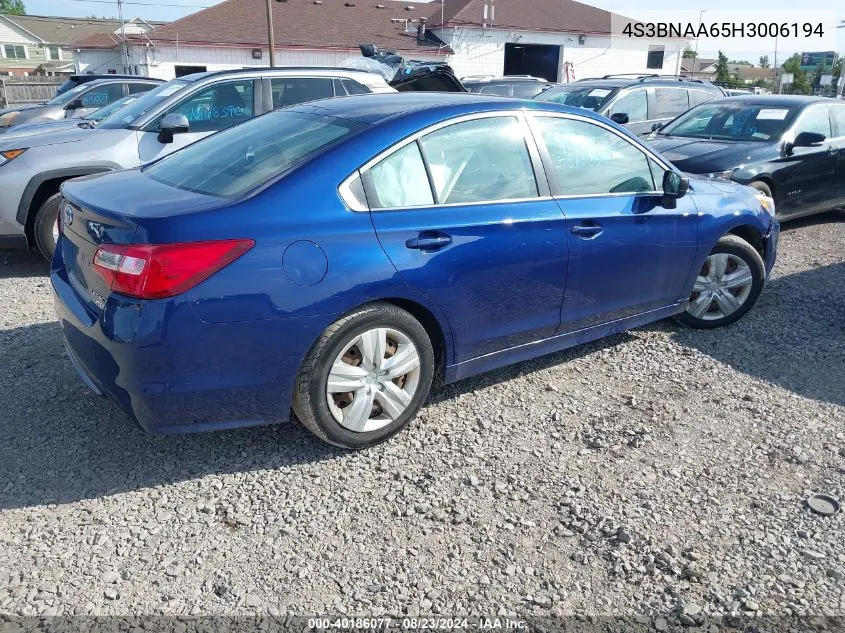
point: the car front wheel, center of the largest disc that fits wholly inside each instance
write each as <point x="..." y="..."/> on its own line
<point x="47" y="227"/>
<point x="366" y="377"/>
<point x="728" y="285"/>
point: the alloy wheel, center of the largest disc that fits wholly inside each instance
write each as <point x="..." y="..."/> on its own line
<point x="721" y="288"/>
<point x="373" y="380"/>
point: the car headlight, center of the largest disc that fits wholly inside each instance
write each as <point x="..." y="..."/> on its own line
<point x="766" y="202"/>
<point x="6" y="119"/>
<point x="10" y="154"/>
<point x="720" y="175"/>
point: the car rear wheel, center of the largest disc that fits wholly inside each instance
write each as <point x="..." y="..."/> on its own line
<point x="728" y="285"/>
<point x="366" y="377"/>
<point x="47" y="227"/>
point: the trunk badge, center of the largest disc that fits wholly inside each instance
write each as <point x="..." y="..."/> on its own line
<point x="67" y="215"/>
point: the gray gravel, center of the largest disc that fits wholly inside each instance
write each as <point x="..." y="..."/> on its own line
<point x="661" y="472"/>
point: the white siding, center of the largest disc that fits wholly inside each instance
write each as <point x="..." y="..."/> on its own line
<point x="480" y="52"/>
<point x="12" y="35"/>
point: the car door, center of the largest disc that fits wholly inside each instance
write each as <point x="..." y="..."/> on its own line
<point x="632" y="102"/>
<point x="809" y="173"/>
<point x="837" y="118"/>
<point x="210" y="108"/>
<point x="628" y="254"/>
<point x="467" y="222"/>
<point x="97" y="97"/>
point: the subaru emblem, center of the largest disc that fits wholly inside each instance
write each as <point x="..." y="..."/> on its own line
<point x="67" y="215"/>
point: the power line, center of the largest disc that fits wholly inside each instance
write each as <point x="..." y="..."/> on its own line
<point x="149" y="4"/>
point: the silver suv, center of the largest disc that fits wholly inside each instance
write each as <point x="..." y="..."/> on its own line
<point x="171" y="116"/>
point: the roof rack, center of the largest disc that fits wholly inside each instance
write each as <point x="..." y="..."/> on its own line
<point x="620" y="75"/>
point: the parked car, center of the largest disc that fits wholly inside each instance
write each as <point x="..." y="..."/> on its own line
<point x="792" y="148"/>
<point x="335" y="257"/>
<point x="88" y="121"/>
<point x="75" y="80"/>
<point x="77" y="102"/>
<point x="736" y="92"/>
<point x="637" y="102"/>
<point x="171" y="116"/>
<point x="522" y="87"/>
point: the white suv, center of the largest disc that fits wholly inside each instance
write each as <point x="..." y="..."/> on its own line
<point x="175" y="114"/>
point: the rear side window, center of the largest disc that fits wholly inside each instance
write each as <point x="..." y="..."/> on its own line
<point x="527" y="91"/>
<point x="590" y="160"/>
<point x="136" y="88"/>
<point x="633" y="103"/>
<point x="352" y="87"/>
<point x="669" y="102"/>
<point x="400" y="180"/>
<point x="484" y="160"/>
<point x="496" y="89"/>
<point x="288" y="91"/>
<point x="699" y="96"/>
<point x="235" y="161"/>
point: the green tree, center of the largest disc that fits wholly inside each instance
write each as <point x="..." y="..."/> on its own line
<point x="764" y="61"/>
<point x="12" y="7"/>
<point x="689" y="53"/>
<point x="801" y="84"/>
<point x="723" y="75"/>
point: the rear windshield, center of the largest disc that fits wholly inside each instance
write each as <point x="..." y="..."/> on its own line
<point x="135" y="110"/>
<point x="579" y="95"/>
<point x="232" y="162"/>
<point x="732" y="120"/>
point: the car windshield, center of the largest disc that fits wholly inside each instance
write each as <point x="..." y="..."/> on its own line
<point x="580" y="95"/>
<point x="67" y="97"/>
<point x="732" y="121"/>
<point x="102" y="113"/>
<point x="243" y="157"/>
<point x="132" y="112"/>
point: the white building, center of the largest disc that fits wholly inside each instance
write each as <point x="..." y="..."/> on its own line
<point x="556" y="39"/>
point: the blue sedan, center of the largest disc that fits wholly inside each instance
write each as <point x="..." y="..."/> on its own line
<point x="334" y="258"/>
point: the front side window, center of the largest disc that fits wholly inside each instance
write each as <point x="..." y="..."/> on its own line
<point x="483" y="160"/>
<point x="102" y="96"/>
<point x="288" y="91"/>
<point x="400" y="180"/>
<point x="136" y="88"/>
<point x="218" y="106"/>
<point x="234" y="162"/>
<point x="669" y="102"/>
<point x="590" y="160"/>
<point x="15" y="51"/>
<point x="815" y="119"/>
<point x="633" y="103"/>
<point x="838" y="113"/>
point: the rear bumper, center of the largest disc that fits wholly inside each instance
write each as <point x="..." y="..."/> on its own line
<point x="174" y="373"/>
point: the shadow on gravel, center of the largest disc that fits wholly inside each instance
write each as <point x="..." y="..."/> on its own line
<point x="23" y="264"/>
<point x="794" y="337"/>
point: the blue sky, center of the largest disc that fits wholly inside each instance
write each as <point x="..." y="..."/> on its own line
<point x="716" y="11"/>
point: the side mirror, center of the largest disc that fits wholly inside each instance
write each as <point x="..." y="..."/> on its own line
<point x="620" y="117"/>
<point x="656" y="126"/>
<point x="173" y="123"/>
<point x="76" y="104"/>
<point x="808" y="139"/>
<point x="674" y="186"/>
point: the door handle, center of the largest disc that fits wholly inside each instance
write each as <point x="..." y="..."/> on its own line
<point x="590" y="230"/>
<point x="429" y="241"/>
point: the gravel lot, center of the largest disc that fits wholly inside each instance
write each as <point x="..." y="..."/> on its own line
<point x="660" y="472"/>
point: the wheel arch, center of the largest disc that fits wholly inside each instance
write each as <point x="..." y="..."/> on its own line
<point x="752" y="235"/>
<point x="44" y="185"/>
<point x="433" y="326"/>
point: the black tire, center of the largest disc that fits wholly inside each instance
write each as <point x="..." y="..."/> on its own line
<point x="762" y="187"/>
<point x="733" y="245"/>
<point x="310" y="400"/>
<point x="45" y="218"/>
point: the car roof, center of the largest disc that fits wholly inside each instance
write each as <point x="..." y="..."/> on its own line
<point x="498" y="80"/>
<point x="94" y="76"/>
<point x="376" y="108"/>
<point x="279" y="70"/>
<point x="646" y="80"/>
<point x="129" y="79"/>
<point x="786" y="101"/>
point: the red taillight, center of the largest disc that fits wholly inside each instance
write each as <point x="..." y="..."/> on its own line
<point x="156" y="271"/>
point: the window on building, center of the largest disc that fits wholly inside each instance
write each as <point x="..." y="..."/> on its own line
<point x="655" y="57"/>
<point x="15" y="51"/>
<point x="54" y="53"/>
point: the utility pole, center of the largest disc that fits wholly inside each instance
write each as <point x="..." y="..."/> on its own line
<point x="124" y="52"/>
<point x="695" y="59"/>
<point x="270" y="39"/>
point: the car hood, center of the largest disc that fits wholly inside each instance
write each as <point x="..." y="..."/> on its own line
<point x="44" y="127"/>
<point x="701" y="156"/>
<point x="20" y="108"/>
<point x="15" y="140"/>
